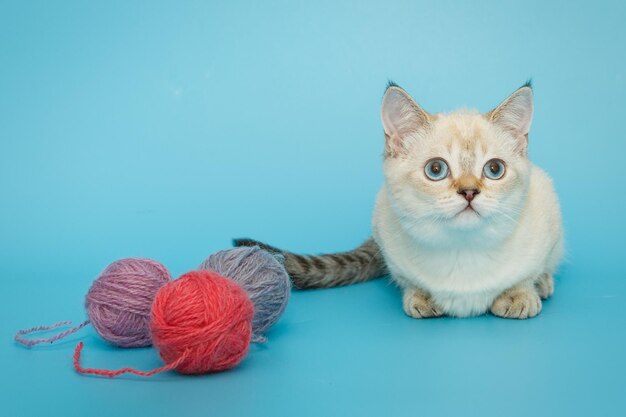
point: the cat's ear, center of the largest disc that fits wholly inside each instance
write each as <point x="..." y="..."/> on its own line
<point x="515" y="115"/>
<point x="401" y="116"/>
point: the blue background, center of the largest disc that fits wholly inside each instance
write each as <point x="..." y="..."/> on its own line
<point x="163" y="130"/>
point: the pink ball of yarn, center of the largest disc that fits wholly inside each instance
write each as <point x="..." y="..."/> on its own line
<point x="120" y="299"/>
<point x="202" y="322"/>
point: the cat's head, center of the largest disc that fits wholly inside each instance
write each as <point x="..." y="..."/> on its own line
<point x="457" y="175"/>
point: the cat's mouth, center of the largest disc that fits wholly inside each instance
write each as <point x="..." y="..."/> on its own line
<point x="469" y="209"/>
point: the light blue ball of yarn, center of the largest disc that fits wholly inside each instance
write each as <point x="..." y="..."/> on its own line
<point x="264" y="278"/>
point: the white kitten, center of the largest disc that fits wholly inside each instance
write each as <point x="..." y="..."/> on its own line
<point x="465" y="222"/>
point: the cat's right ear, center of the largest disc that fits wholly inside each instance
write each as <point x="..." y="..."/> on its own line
<point x="401" y="117"/>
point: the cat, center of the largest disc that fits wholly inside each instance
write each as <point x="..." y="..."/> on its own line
<point x="464" y="223"/>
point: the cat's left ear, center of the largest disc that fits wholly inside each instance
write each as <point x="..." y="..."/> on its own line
<point x="401" y="117"/>
<point x="515" y="114"/>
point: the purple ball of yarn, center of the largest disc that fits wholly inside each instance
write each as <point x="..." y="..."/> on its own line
<point x="120" y="299"/>
<point x="264" y="278"/>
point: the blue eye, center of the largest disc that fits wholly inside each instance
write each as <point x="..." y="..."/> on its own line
<point x="494" y="169"/>
<point x="436" y="169"/>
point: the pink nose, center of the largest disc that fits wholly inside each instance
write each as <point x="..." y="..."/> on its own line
<point x="469" y="193"/>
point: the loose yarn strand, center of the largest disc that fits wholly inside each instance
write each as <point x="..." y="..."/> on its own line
<point x="111" y="374"/>
<point x="29" y="343"/>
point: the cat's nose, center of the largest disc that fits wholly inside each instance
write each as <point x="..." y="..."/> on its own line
<point x="469" y="193"/>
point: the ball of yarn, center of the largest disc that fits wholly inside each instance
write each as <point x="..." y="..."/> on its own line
<point x="201" y="322"/>
<point x="263" y="277"/>
<point x="120" y="299"/>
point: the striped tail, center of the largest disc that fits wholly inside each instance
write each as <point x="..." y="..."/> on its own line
<point x="330" y="270"/>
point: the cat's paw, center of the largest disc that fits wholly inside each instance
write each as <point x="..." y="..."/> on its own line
<point x="545" y="286"/>
<point x="517" y="303"/>
<point x="419" y="305"/>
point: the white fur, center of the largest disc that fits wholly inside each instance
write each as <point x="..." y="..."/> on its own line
<point x="462" y="259"/>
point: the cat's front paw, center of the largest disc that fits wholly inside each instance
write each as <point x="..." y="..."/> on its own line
<point x="419" y="305"/>
<point x="545" y="286"/>
<point x="517" y="303"/>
